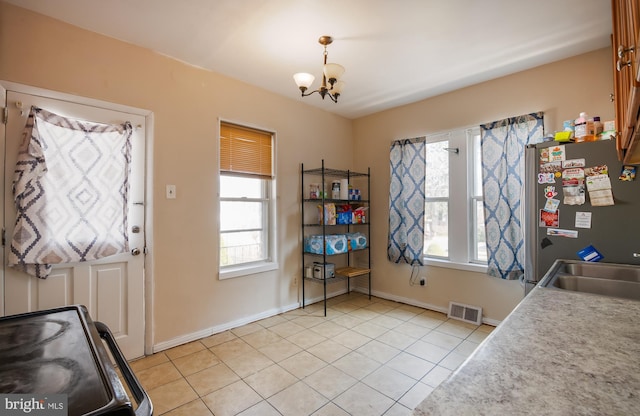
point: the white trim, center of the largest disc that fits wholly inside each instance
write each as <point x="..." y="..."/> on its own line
<point x="46" y="93"/>
<point x="414" y="302"/>
<point x="194" y="336"/>
<point x="470" y="267"/>
<point x="247" y="270"/>
<point x="149" y="282"/>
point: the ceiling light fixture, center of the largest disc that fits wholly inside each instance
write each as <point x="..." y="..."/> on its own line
<point x="330" y="74"/>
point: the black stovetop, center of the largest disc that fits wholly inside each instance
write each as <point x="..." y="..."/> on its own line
<point x="57" y="351"/>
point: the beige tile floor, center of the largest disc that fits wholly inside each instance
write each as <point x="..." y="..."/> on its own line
<point x="367" y="357"/>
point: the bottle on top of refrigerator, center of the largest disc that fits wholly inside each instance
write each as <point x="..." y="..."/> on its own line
<point x="598" y="126"/>
<point x="584" y="129"/>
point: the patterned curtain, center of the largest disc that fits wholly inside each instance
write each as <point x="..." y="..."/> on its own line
<point x="406" y="201"/>
<point x="503" y="144"/>
<point x="70" y="186"/>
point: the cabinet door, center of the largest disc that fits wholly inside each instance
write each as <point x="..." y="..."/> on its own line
<point x="620" y="44"/>
<point x="632" y="26"/>
<point x="626" y="20"/>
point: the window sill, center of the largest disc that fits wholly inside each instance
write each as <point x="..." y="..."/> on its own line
<point x="246" y="270"/>
<point x="470" y="267"/>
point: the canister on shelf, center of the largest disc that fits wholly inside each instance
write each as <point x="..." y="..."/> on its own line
<point x="335" y="190"/>
<point x="314" y="191"/>
<point x="344" y="189"/>
<point x="308" y="271"/>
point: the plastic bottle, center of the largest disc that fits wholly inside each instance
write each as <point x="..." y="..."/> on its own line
<point x="591" y="131"/>
<point x="580" y="128"/>
<point x="598" y="127"/>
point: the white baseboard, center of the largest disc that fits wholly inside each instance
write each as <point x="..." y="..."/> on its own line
<point x="194" y="336"/>
<point x="414" y="302"/>
<point x="401" y="299"/>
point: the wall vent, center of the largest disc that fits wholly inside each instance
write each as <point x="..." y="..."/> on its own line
<point x="466" y="313"/>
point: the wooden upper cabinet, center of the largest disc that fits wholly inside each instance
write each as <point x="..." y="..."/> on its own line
<point x="626" y="61"/>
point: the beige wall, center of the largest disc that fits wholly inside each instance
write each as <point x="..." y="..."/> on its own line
<point x="561" y="90"/>
<point x="187" y="102"/>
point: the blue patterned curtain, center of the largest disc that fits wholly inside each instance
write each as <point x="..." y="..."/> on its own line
<point x="503" y="144"/>
<point x="406" y="201"/>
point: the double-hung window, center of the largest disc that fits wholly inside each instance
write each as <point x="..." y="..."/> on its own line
<point x="246" y="201"/>
<point x="436" y="214"/>
<point x="454" y="220"/>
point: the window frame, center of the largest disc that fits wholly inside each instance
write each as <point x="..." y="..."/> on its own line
<point x="461" y="202"/>
<point x="439" y="138"/>
<point x="475" y="194"/>
<point x="268" y="199"/>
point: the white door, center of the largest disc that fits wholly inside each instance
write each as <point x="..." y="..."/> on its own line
<point x="111" y="288"/>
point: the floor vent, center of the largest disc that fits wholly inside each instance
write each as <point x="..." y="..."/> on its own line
<point x="466" y="313"/>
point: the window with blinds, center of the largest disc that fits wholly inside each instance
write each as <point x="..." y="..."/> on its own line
<point x="245" y="151"/>
<point x="246" y="201"/>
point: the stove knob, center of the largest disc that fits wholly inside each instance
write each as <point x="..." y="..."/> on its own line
<point x="135" y="251"/>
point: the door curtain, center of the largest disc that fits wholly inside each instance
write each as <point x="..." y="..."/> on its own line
<point x="71" y="190"/>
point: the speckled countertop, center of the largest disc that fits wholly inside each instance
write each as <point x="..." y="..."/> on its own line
<point x="558" y="353"/>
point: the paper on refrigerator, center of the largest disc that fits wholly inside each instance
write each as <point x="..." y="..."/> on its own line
<point x="599" y="187"/>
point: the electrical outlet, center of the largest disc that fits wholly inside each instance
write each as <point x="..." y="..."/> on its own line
<point x="423" y="281"/>
<point x="295" y="281"/>
<point x="171" y="192"/>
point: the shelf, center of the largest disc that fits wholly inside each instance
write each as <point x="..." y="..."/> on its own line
<point x="336" y="254"/>
<point x="334" y="172"/>
<point x="329" y="280"/>
<point x="341" y="275"/>
<point x="339" y="201"/>
<point x="334" y="225"/>
<point x="344" y="271"/>
<point x="352" y="271"/>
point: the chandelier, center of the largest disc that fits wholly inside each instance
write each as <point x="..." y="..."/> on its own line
<point x="331" y="86"/>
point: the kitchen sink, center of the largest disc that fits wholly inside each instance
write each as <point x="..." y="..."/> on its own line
<point x="607" y="279"/>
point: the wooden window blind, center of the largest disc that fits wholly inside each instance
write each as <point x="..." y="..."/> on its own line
<point x="245" y="151"/>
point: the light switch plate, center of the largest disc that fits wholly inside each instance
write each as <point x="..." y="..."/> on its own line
<point x="171" y="192"/>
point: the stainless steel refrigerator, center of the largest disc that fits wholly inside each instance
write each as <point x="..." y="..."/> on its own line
<point x="612" y="230"/>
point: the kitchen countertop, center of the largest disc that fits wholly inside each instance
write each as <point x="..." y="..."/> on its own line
<point x="558" y="353"/>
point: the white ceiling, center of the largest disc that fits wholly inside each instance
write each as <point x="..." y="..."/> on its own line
<point x="395" y="51"/>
